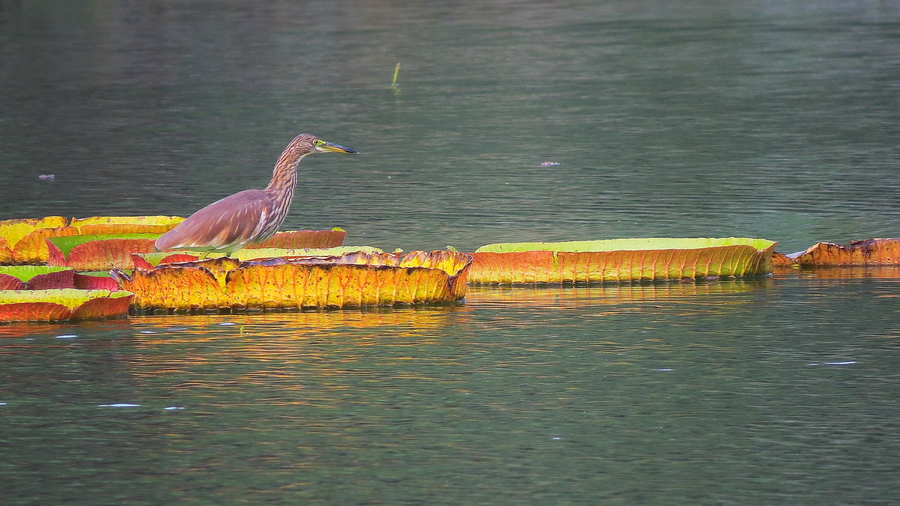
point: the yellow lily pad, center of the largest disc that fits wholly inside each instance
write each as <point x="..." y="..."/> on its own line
<point x="351" y="280"/>
<point x="165" y="221"/>
<point x="14" y="230"/>
<point x="621" y="260"/>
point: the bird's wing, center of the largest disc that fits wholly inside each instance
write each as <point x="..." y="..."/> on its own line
<point x="227" y="224"/>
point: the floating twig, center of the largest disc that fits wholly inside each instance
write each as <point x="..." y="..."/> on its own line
<point x="394" y="82"/>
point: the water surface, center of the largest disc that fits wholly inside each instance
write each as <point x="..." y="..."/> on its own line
<point x="685" y="118"/>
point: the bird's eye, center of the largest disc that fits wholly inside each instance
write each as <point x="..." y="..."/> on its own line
<point x="318" y="142"/>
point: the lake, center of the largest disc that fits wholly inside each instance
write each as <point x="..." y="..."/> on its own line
<point x="664" y="119"/>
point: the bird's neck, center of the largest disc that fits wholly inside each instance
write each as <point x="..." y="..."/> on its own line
<point x="284" y="179"/>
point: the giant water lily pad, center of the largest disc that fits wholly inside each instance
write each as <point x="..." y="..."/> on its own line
<point x="168" y="222"/>
<point x="14" y="230"/>
<point x="44" y="277"/>
<point x="35" y="277"/>
<point x="621" y="260"/>
<point x="98" y="252"/>
<point x="6" y="253"/>
<point x="303" y="239"/>
<point x="64" y="304"/>
<point x="351" y="280"/>
<point x="25" y="237"/>
<point x="870" y="252"/>
<point x="150" y="260"/>
<point x="23" y="241"/>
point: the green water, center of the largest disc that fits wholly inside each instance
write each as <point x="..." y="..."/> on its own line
<point x="667" y="119"/>
<point x="758" y="392"/>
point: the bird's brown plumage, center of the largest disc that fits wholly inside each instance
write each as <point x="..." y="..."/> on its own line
<point x="248" y="216"/>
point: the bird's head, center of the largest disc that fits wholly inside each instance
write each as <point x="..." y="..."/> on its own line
<point x="305" y="144"/>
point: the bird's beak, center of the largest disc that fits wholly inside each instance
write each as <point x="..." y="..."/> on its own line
<point x="327" y="147"/>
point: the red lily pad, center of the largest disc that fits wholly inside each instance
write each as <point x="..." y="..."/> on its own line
<point x="62" y="304"/>
<point x="98" y="252"/>
<point x="35" y="277"/>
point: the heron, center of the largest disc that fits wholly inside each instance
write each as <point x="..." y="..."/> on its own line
<point x="249" y="216"/>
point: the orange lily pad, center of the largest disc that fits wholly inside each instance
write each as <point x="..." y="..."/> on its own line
<point x="621" y="260"/>
<point x="351" y="280"/>
<point x="32" y="249"/>
<point x="303" y="239"/>
<point x="6" y="254"/>
<point x="62" y="304"/>
<point x="867" y="252"/>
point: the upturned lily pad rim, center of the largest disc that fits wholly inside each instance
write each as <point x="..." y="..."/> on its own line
<point x="256" y="254"/>
<point x="25" y="273"/>
<point x="69" y="297"/>
<point x="67" y="243"/>
<point x="635" y="244"/>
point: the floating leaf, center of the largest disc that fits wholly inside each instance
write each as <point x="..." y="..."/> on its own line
<point x="14" y="230"/>
<point x="8" y="282"/>
<point x="351" y="280"/>
<point x="91" y="282"/>
<point x="149" y="260"/>
<point x="6" y="254"/>
<point x="620" y="260"/>
<point x="68" y="243"/>
<point x="27" y="272"/>
<point x="45" y="277"/>
<point x="301" y="239"/>
<point x="32" y="249"/>
<point x="167" y="221"/>
<point x="867" y="252"/>
<point x="98" y="252"/>
<point x="64" y="304"/>
<point x="124" y="228"/>
<point x="35" y="277"/>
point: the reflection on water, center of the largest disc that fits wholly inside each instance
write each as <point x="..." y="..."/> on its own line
<point x="563" y="296"/>
<point x="742" y="391"/>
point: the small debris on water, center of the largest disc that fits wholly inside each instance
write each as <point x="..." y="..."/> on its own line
<point x="46" y="176"/>
<point x="549" y="164"/>
<point x="665" y="369"/>
<point x="121" y="405"/>
<point x="849" y="362"/>
<point x="172" y="408"/>
<point x="67" y="336"/>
